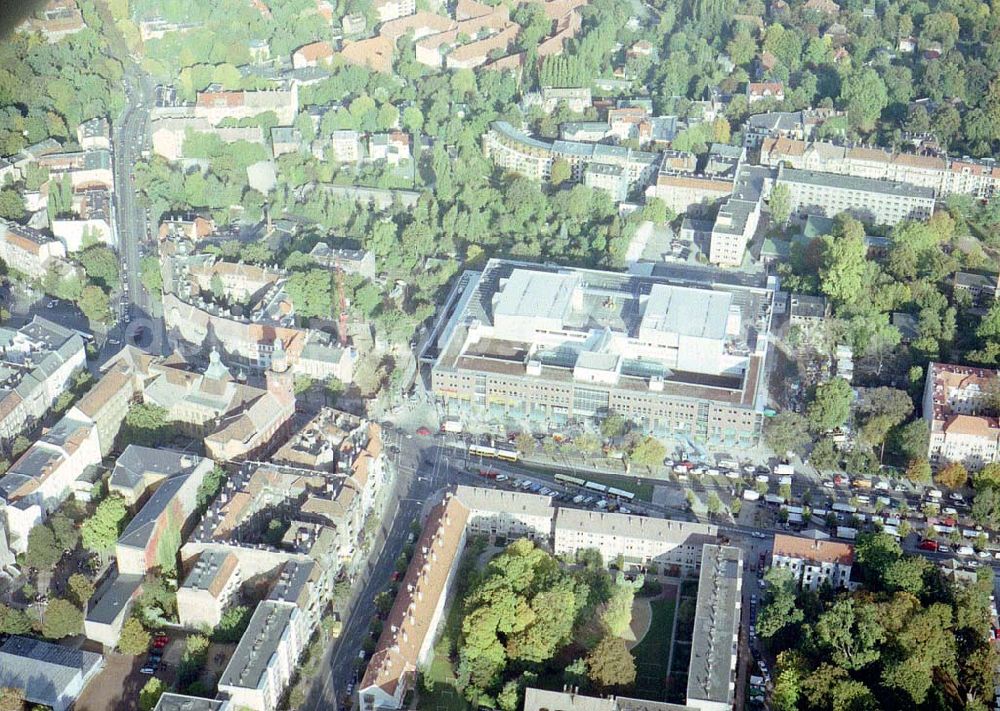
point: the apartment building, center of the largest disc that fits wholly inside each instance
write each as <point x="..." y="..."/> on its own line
<point x="211" y="585"/>
<point x="37" y="364"/>
<point x="544" y="344"/>
<point x="41" y="479"/>
<point x="799" y="125"/>
<point x="389" y="10"/>
<point x="154" y="535"/>
<point x="51" y="675"/>
<point x="140" y="470"/>
<point x="711" y="682"/>
<point x="659" y="545"/>
<point x="29" y="251"/>
<point x="874" y="201"/>
<point x="86" y="169"/>
<point x="944" y="175"/>
<point x="981" y="288"/>
<point x="345" y="146"/>
<point x="734" y="227"/>
<point x="90" y="222"/>
<point x="110" y="606"/>
<point x="315" y="54"/>
<point x="517" y="152"/>
<point x="814" y="561"/>
<point x="265" y="658"/>
<point x="956" y="406"/>
<point x="760" y="91"/>
<point x="107" y="403"/>
<point x="94" y="134"/>
<point x="689" y="192"/>
<point x="391" y="147"/>
<point x="216" y="105"/>
<point x="407" y="639"/>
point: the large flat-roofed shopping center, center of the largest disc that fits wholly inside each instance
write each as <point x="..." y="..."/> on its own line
<point x="681" y="354"/>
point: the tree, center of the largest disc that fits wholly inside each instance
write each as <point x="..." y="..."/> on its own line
<point x="610" y="663"/>
<point x="780" y="203"/>
<point x="13" y="620"/>
<point x="150" y="694"/>
<point x="233" y="624"/>
<point x="647" y="451"/>
<point x="101" y="266"/>
<point x="844" y="261"/>
<point x="952" y="476"/>
<point x="787" y="431"/>
<point x="65" y="531"/>
<point x="779" y="611"/>
<point x="11" y="205"/>
<point x="713" y="504"/>
<point x="61" y="619"/>
<point x="209" y="487"/>
<point x="613" y="426"/>
<point x="81" y="589"/>
<point x="830" y="406"/>
<point x="94" y="304"/>
<point x="919" y="471"/>
<point x="12" y="699"/>
<point x="853" y="633"/>
<point x="146" y="425"/>
<point x="560" y="172"/>
<point x="100" y="532"/>
<point x="134" y="639"/>
<point x="866" y="96"/>
<point x="988" y="477"/>
<point x="986" y="507"/>
<point x="43" y="552"/>
<point x="617" y="613"/>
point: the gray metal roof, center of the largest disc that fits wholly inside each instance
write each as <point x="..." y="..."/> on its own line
<point x="846" y="182"/>
<point x="183" y="702"/>
<point x="536" y="294"/>
<point x="140" y="528"/>
<point x="136" y="462"/>
<point x="482" y="499"/>
<point x="628" y="526"/>
<point x="689" y="312"/>
<point x="45" y="672"/>
<point x="292" y="582"/>
<point x="114" y="599"/>
<point x="710" y="675"/>
<point x="504" y="128"/>
<point x="258" y="644"/>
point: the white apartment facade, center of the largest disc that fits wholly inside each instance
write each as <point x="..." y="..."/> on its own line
<point x="814" y="561"/>
<point x="956" y="398"/>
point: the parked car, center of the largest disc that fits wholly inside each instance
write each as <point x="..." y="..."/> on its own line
<point x="423" y="431"/>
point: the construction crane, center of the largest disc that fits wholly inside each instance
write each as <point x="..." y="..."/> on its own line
<point x="342" y="323"/>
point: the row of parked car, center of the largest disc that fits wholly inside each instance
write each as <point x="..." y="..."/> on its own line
<point x="534" y="487"/>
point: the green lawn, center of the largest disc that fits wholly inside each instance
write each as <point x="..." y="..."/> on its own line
<point x="653" y="652"/>
<point x="444" y="697"/>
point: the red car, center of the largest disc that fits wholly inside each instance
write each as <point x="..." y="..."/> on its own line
<point x="160" y="641"/>
<point x="423" y="431"/>
<point x="928" y="545"/>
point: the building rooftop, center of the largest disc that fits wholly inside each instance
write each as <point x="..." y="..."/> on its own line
<point x="808" y="306"/>
<point x="111" y="601"/>
<point x="711" y="674"/>
<point x="211" y="571"/>
<point x="820" y="551"/>
<point x="47" y="673"/>
<point x="846" y="182"/>
<point x="258" y="645"/>
<point x="143" y="525"/>
<point x="483" y="499"/>
<point x="629" y="526"/>
<point x="292" y="585"/>
<point x="181" y="702"/>
<point x="688" y="312"/>
<point x="138" y="464"/>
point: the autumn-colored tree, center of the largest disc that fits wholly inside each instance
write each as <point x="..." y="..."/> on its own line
<point x="952" y="476"/>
